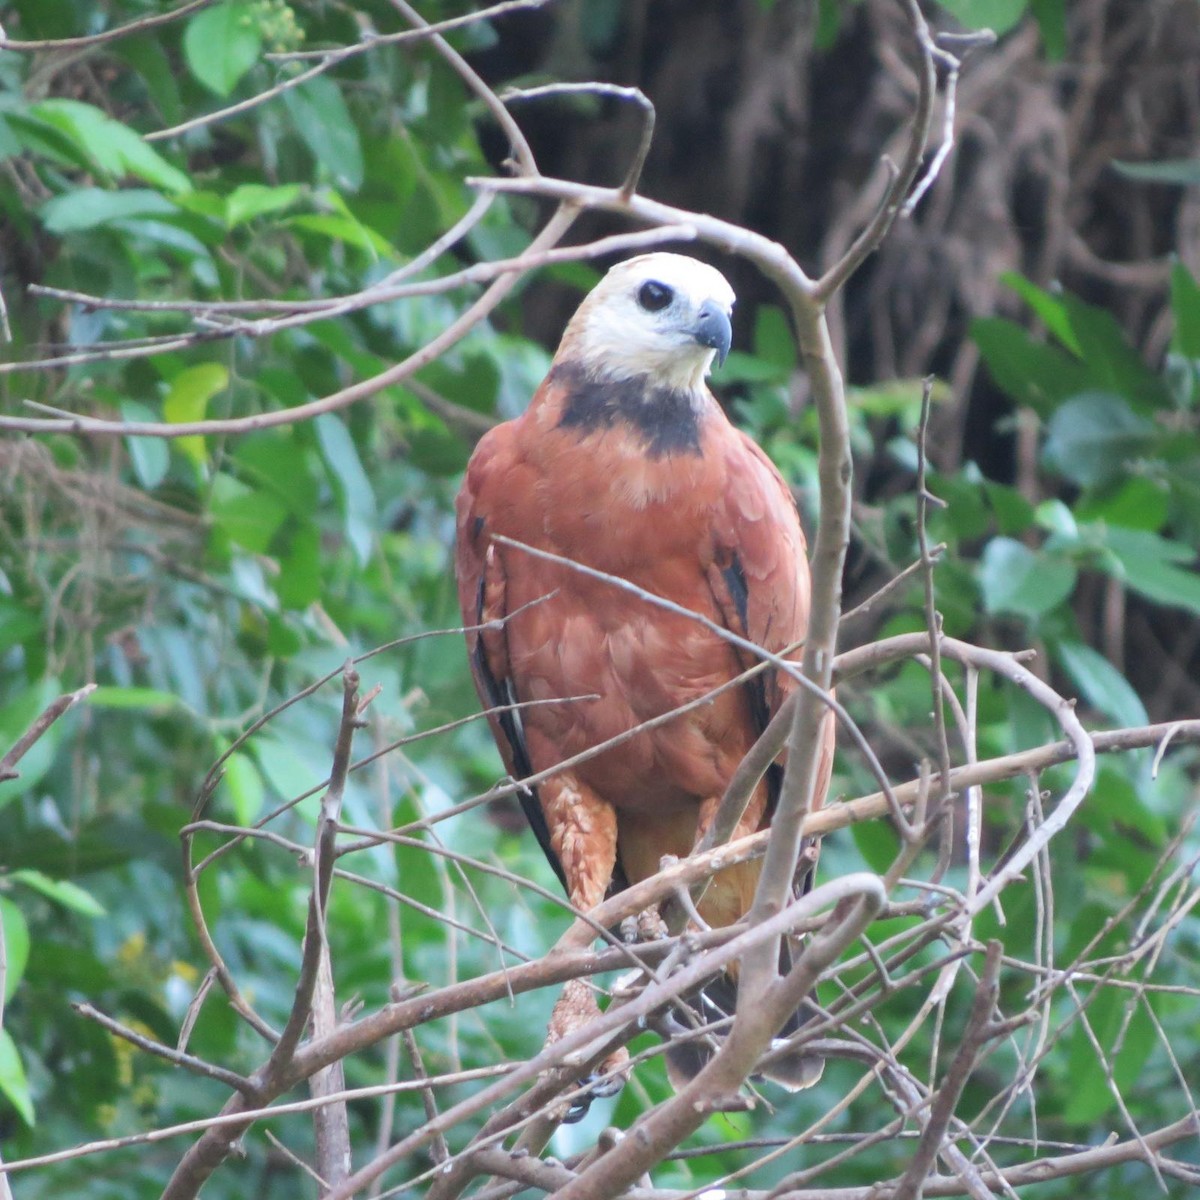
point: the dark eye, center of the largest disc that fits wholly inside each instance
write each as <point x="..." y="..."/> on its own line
<point x="654" y="297"/>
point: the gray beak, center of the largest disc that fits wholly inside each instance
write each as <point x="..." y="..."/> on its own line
<point x="713" y="329"/>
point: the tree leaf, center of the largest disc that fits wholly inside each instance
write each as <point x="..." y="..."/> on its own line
<point x="322" y="119"/>
<point x="1050" y="308"/>
<point x="245" y="784"/>
<point x="1150" y="566"/>
<point x="250" y="200"/>
<point x="1031" y="372"/>
<point x="1114" y="364"/>
<point x="250" y="517"/>
<point x="89" y="207"/>
<point x="1093" y="437"/>
<point x="16" y="944"/>
<point x="61" y="891"/>
<point x="13" y="1083"/>
<point x="1102" y="685"/>
<point x="15" y="718"/>
<point x="134" y="698"/>
<point x="299" y="580"/>
<point x="1051" y="17"/>
<point x="1015" y="579"/>
<point x="114" y="148"/>
<point x="150" y="456"/>
<point x="187" y="400"/>
<point x="998" y="15"/>
<point x="354" y="492"/>
<point x="221" y="44"/>
<point x="1185" y="304"/>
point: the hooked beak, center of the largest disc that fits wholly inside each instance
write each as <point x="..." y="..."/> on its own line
<point x="713" y="329"/>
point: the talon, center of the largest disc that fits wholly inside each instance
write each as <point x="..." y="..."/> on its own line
<point x="650" y="925"/>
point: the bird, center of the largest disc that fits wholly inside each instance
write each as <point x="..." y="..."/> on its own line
<point x="625" y="463"/>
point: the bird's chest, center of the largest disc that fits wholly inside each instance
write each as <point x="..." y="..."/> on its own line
<point x="604" y="500"/>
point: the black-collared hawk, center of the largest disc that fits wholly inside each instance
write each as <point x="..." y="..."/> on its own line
<point x="625" y="463"/>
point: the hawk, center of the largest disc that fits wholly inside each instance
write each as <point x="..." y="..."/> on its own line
<point x="625" y="463"/>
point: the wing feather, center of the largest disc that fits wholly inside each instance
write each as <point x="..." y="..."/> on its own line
<point x="482" y="591"/>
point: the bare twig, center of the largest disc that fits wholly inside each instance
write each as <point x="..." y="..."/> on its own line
<point x="37" y="730"/>
<point x="189" y="1062"/>
<point x="141" y="25"/>
<point x="524" y="161"/>
<point x="634" y="95"/>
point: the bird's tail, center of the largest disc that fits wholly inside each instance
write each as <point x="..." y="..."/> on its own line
<point x="695" y="1029"/>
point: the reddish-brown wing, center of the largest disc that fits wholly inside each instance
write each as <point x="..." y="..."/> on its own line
<point x="497" y="469"/>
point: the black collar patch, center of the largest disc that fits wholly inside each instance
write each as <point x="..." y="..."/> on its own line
<point x="666" y="419"/>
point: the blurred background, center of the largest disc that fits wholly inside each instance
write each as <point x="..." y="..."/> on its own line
<point x="1047" y="280"/>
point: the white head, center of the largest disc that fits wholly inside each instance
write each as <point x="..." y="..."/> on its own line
<point x="662" y="315"/>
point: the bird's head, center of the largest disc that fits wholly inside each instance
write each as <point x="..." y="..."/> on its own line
<point x="661" y="315"/>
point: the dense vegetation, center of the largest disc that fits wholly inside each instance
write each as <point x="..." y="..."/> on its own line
<point x="202" y="581"/>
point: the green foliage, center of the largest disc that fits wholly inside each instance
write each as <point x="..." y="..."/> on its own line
<point x="201" y="581"/>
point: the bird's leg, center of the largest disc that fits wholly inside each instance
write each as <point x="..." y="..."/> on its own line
<point x="731" y="890"/>
<point x="583" y="834"/>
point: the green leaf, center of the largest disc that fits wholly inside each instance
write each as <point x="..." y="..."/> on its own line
<point x="61" y="891"/>
<point x="299" y="580"/>
<point x="773" y="339"/>
<point x="149" y="455"/>
<point x="137" y="698"/>
<point x="15" y="718"/>
<point x="187" y="400"/>
<point x="1092" y="438"/>
<point x="275" y="459"/>
<point x="90" y="207"/>
<point x="1185" y="305"/>
<point x="250" y="517"/>
<point x="13" y="1083"/>
<point x="16" y="624"/>
<point x="1050" y="308"/>
<point x="221" y="44"/>
<point x="246" y="789"/>
<point x="1090" y="1095"/>
<point x="1138" y="503"/>
<point x="997" y="15"/>
<point x="252" y="200"/>
<point x="829" y="21"/>
<point x="1112" y="362"/>
<point x="46" y="141"/>
<point x="1170" y="170"/>
<point x="16" y="944"/>
<point x="322" y="119"/>
<point x="115" y="148"/>
<point x="355" y="495"/>
<point x="1114" y="807"/>
<point x="1055" y="517"/>
<point x="284" y="769"/>
<point x="344" y="229"/>
<point x="1150" y="566"/>
<point x="1102" y="685"/>
<point x="1015" y="579"/>
<point x="1031" y="372"/>
<point x="1051" y="16"/>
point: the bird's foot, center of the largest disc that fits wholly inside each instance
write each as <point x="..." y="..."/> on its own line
<point x="646" y="926"/>
<point x="608" y="1080"/>
<point x="574" y="1009"/>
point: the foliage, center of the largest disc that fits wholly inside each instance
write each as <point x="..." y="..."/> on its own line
<point x="202" y="581"/>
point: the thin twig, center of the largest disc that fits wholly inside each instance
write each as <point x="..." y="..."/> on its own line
<point x="189" y="1062"/>
<point x="36" y="731"/>
<point x="109" y="35"/>
<point x="634" y="95"/>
